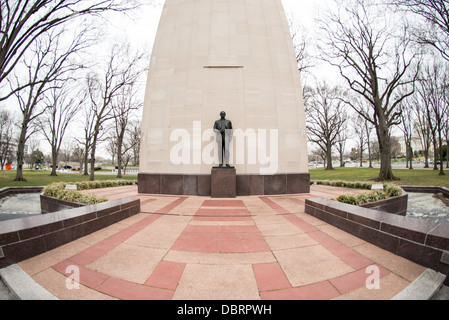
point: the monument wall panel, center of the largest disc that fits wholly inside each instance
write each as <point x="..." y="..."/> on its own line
<point x="223" y="55"/>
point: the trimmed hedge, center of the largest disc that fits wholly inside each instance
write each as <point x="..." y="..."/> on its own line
<point x="345" y="184"/>
<point x="57" y="190"/>
<point x="87" y="185"/>
<point x="364" y="198"/>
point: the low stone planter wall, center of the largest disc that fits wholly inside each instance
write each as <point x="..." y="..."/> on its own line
<point x="22" y="239"/>
<point x="12" y="190"/>
<point x="421" y="189"/>
<point x="50" y="204"/>
<point x="395" y="205"/>
<point x="424" y="242"/>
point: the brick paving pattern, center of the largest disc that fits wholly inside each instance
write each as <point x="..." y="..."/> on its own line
<point x="194" y="248"/>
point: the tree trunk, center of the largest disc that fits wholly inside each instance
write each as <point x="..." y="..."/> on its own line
<point x="411" y="156"/>
<point x="426" y="159"/>
<point x="447" y="154"/>
<point x="386" y="173"/>
<point x="86" y="165"/>
<point x="120" y="139"/>
<point x="407" y="154"/>
<point x="54" y="159"/>
<point x="119" y="160"/>
<point x="20" y="156"/>
<point x="86" y="161"/>
<point x="361" y="157"/>
<point x="435" y="166"/>
<point x="369" y="155"/>
<point x="92" y="164"/>
<point x="441" y="156"/>
<point x="329" y="158"/>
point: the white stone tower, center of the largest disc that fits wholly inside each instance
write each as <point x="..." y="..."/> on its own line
<point x="235" y="56"/>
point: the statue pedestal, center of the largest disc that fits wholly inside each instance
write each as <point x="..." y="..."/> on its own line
<point x="224" y="183"/>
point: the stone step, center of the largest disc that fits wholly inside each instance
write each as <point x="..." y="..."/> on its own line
<point x="22" y="286"/>
<point x="442" y="294"/>
<point x="423" y="288"/>
<point x="5" y="293"/>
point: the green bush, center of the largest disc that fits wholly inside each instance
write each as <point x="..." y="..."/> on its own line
<point x="87" y="185"/>
<point x="57" y="190"/>
<point x="392" y="191"/>
<point x="346" y="184"/>
<point x="348" y="199"/>
<point x="364" y="198"/>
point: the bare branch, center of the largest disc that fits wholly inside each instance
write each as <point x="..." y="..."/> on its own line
<point x="23" y="22"/>
<point x="373" y="56"/>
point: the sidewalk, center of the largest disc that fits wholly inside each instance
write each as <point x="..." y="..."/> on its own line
<point x="198" y="248"/>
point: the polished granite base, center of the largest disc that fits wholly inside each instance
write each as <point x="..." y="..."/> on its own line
<point x="223" y="183"/>
<point x="246" y="185"/>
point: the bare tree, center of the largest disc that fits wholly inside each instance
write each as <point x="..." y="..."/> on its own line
<point x="48" y="67"/>
<point x="342" y="139"/>
<point x="6" y="137"/>
<point x="134" y="137"/>
<point x="424" y="133"/>
<point x="78" y="155"/>
<point x="369" y="129"/>
<point x="301" y="43"/>
<point x="433" y="89"/>
<point x="435" y="14"/>
<point x="360" y="131"/>
<point x="111" y="146"/>
<point x="375" y="62"/>
<point x="407" y="128"/>
<point x="59" y="113"/>
<point x="86" y="140"/>
<point x="325" y="119"/>
<point x="421" y="124"/>
<point x="122" y="108"/>
<point x="446" y="126"/>
<point x="24" y="22"/>
<point x="66" y="151"/>
<point x="121" y="71"/>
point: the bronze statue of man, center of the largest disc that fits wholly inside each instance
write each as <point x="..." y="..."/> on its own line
<point x="223" y="129"/>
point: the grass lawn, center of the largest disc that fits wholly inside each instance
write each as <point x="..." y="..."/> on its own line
<point x="416" y="177"/>
<point x="43" y="178"/>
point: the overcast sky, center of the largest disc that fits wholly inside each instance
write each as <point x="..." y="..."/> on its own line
<point x="140" y="31"/>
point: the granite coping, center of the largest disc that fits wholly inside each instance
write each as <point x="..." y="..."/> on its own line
<point x="13" y="190"/>
<point x="27" y="237"/>
<point x="424" y="242"/>
<point x="51" y="204"/>
<point x="405" y="227"/>
<point x="62" y="216"/>
<point x="425" y="189"/>
<point x="396" y="205"/>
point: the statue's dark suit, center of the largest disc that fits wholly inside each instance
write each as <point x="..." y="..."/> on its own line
<point x="223" y="129"/>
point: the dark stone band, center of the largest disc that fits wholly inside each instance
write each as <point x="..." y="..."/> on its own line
<point x="246" y="185"/>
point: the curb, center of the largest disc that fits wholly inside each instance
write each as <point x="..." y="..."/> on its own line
<point x="22" y="285"/>
<point x="423" y="288"/>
